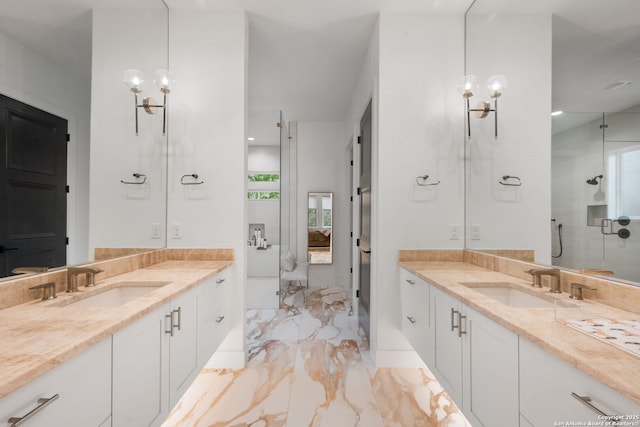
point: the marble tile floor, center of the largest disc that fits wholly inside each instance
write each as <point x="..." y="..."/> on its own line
<point x="308" y="365"/>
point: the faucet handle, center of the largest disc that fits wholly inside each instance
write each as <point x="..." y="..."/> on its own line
<point x="49" y="290"/>
<point x="576" y="290"/>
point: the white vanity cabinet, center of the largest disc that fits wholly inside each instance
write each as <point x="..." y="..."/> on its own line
<point x="74" y="394"/>
<point x="156" y="358"/>
<point x="213" y="314"/>
<point x="183" y="343"/>
<point x="416" y="322"/>
<point x="547" y="385"/>
<point x="476" y="361"/>
<point x="140" y="371"/>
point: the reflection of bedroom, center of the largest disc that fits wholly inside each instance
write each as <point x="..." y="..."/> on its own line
<point x="320" y="218"/>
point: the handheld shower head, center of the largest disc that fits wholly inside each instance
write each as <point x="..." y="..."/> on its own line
<point x="594" y="180"/>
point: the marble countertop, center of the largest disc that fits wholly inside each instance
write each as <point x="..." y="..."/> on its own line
<point x="604" y="362"/>
<point x="39" y="335"/>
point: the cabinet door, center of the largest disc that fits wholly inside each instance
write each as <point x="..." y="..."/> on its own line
<point x="448" y="343"/>
<point x="213" y="316"/>
<point x="183" y="357"/>
<point x="490" y="367"/>
<point x="82" y="386"/>
<point x="546" y="384"/>
<point x="140" y="372"/>
<point x="416" y="322"/>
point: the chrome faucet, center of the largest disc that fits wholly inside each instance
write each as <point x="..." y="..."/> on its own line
<point x="74" y="272"/>
<point x="553" y="272"/>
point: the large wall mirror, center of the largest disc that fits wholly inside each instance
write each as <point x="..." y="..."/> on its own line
<point x="580" y="190"/>
<point x="320" y="228"/>
<point x="47" y="61"/>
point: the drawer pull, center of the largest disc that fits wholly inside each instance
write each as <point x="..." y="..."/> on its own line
<point x="170" y="317"/>
<point x="179" y="313"/>
<point x="460" y="331"/>
<point x="220" y="280"/>
<point x="411" y="319"/>
<point x="586" y="400"/>
<point x="219" y="319"/>
<point x="42" y="403"/>
<point x="453" y="314"/>
<point x="411" y="282"/>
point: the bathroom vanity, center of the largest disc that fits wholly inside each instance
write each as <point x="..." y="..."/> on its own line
<point x="502" y="349"/>
<point x="120" y="353"/>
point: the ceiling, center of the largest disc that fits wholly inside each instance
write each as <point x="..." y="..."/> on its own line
<point x="305" y="56"/>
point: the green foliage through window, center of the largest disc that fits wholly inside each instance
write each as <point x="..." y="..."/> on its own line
<point x="263" y="195"/>
<point x="264" y="177"/>
<point x="312" y="217"/>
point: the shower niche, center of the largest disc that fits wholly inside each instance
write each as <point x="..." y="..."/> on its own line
<point x="595" y="215"/>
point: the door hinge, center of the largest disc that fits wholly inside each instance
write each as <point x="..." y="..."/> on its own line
<point x="351" y="199"/>
<point x="279" y="124"/>
<point x="66" y="188"/>
<point x="68" y="137"/>
<point x="359" y="140"/>
<point x="358" y="191"/>
<point x="66" y="240"/>
<point x="351" y="234"/>
<point x="604" y="126"/>
<point x="351" y="162"/>
<point x="358" y="242"/>
<point x="357" y="293"/>
<point x="351" y="270"/>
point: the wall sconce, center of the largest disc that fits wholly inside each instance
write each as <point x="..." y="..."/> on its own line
<point x="494" y="87"/>
<point x="163" y="81"/>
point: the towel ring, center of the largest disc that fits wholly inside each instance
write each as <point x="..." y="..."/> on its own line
<point x="508" y="177"/>
<point x="138" y="176"/>
<point x="424" y="178"/>
<point x="194" y="176"/>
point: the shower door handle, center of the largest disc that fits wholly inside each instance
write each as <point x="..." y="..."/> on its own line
<point x="605" y="222"/>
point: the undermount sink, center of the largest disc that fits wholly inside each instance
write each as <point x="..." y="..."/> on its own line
<point x="509" y="294"/>
<point x="116" y="295"/>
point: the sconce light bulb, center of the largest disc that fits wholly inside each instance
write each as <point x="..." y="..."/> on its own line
<point x="495" y="85"/>
<point x="467" y="85"/>
<point x="133" y="79"/>
<point x="164" y="80"/>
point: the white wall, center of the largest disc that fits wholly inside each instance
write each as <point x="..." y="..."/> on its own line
<point x="27" y="76"/>
<point x="323" y="166"/>
<point x="207" y="54"/>
<point x="419" y="133"/>
<point x="122" y="215"/>
<point x="519" y="47"/>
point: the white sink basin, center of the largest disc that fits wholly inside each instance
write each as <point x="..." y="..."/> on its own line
<point x="509" y="294"/>
<point x="119" y="294"/>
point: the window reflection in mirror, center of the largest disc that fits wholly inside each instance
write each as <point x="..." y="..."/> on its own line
<point x="320" y="228"/>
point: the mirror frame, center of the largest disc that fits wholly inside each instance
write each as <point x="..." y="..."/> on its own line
<point x="318" y="234"/>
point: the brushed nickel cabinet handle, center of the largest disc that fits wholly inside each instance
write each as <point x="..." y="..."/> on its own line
<point x="179" y="313"/>
<point x="219" y="319"/>
<point x="586" y="400"/>
<point x="460" y="331"/>
<point x="170" y="317"/>
<point x="411" y="319"/>
<point x="453" y="314"/>
<point x="42" y="403"/>
<point x="220" y="280"/>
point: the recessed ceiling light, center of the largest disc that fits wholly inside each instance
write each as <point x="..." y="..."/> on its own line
<point x="251" y="138"/>
<point x="556" y="113"/>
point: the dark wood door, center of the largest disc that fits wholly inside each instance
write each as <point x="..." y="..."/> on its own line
<point x="33" y="180"/>
<point x="364" y="235"/>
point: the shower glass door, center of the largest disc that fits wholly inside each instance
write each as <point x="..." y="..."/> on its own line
<point x="595" y="181"/>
